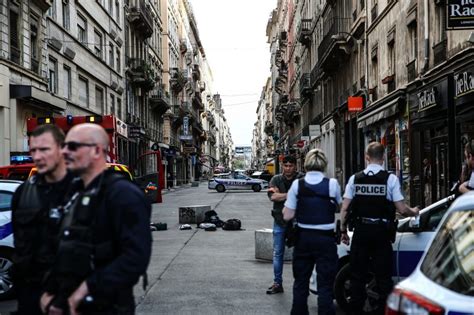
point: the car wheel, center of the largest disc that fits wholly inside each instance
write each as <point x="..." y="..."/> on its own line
<point x="342" y="290"/>
<point x="256" y="187"/>
<point x="6" y="282"/>
<point x="220" y="188"/>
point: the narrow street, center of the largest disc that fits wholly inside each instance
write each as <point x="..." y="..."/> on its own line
<point x="199" y="272"/>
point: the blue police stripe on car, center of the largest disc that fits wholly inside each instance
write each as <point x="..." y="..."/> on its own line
<point x="6" y="230"/>
<point x="410" y="260"/>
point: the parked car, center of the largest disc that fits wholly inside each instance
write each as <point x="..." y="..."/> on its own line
<point x="7" y="188"/>
<point x="236" y="181"/>
<point x="443" y="281"/>
<point x="265" y="175"/>
<point x="411" y="240"/>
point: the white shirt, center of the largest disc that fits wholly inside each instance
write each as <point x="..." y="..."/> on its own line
<point x="313" y="178"/>
<point x="394" y="192"/>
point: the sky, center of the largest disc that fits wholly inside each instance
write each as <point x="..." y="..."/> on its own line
<point x="233" y="34"/>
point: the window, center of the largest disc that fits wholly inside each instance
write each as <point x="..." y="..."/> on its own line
<point x="99" y="99"/>
<point x="15" y="51"/>
<point x="448" y="260"/>
<point x="82" y="29"/>
<point x="84" y="91"/>
<point x="98" y="44"/>
<point x="392" y="62"/>
<point x="53" y="75"/>
<point x="111" y="54"/>
<point x="67" y="83"/>
<point x="119" y="108"/>
<point x="66" y="20"/>
<point x="117" y="11"/>
<point x="52" y="10"/>
<point x="34" y="44"/>
<point x="117" y="56"/>
<point x="5" y="201"/>
<point x="413" y="37"/>
<point x="111" y="7"/>
<point x="112" y="104"/>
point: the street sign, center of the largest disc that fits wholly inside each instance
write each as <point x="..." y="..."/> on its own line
<point x="185" y="125"/>
<point x="355" y="103"/>
<point x="459" y="14"/>
<point x="314" y="131"/>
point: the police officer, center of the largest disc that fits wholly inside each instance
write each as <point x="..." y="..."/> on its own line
<point x="105" y="238"/>
<point x="374" y="195"/>
<point x="279" y="186"/>
<point x="313" y="200"/>
<point x="36" y="215"/>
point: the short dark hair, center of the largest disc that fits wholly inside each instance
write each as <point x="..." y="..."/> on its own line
<point x="58" y="134"/>
<point x="375" y="150"/>
<point x="289" y="159"/>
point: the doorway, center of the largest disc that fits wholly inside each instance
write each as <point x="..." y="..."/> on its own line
<point x="439" y="168"/>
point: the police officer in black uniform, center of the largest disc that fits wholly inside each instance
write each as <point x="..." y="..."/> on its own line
<point x="374" y="195"/>
<point x="105" y="238"/>
<point x="313" y="201"/>
<point x="36" y="215"/>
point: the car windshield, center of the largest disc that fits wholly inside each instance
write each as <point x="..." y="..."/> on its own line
<point x="450" y="259"/>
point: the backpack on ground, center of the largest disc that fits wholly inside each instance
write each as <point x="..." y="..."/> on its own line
<point x="232" y="225"/>
<point x="212" y="217"/>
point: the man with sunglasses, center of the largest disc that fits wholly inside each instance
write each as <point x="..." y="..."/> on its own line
<point x="105" y="239"/>
<point x="36" y="216"/>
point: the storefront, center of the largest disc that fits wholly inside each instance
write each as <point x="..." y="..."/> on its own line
<point x="386" y="122"/>
<point x="463" y="96"/>
<point x="430" y="143"/>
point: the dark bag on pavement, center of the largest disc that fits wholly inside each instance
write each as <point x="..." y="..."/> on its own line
<point x="212" y="217"/>
<point x="291" y="234"/>
<point x="232" y="225"/>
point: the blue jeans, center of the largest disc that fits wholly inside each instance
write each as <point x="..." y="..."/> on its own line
<point x="278" y="252"/>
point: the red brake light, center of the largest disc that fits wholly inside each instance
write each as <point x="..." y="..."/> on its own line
<point x="405" y="302"/>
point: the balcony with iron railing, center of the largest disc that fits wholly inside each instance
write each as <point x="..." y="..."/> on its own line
<point x="304" y="31"/>
<point x="177" y="79"/>
<point x="305" y="85"/>
<point x="411" y="70"/>
<point x="141" y="74"/>
<point x="336" y="26"/>
<point x="140" y="17"/>
<point x="159" y="100"/>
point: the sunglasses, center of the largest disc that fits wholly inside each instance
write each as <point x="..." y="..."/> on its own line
<point x="73" y="145"/>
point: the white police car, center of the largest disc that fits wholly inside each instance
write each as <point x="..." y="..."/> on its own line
<point x="7" y="188"/>
<point x="443" y="281"/>
<point x="236" y="181"/>
<point x="411" y="240"/>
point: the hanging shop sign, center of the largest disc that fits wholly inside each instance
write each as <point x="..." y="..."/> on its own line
<point x="459" y="14"/>
<point x="355" y="103"/>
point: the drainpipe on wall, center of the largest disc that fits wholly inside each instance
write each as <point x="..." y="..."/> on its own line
<point x="427" y="39"/>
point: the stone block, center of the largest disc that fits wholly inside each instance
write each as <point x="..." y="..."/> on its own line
<point x="195" y="184"/>
<point x="192" y="214"/>
<point x="264" y="246"/>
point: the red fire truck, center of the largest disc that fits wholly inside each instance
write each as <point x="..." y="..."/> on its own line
<point x="152" y="183"/>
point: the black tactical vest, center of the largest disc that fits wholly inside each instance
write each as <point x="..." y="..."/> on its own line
<point x="370" y="198"/>
<point x="79" y="254"/>
<point x="36" y="224"/>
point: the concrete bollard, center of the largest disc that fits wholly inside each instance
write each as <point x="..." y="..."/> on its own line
<point x="192" y="214"/>
<point x="195" y="184"/>
<point x="264" y="246"/>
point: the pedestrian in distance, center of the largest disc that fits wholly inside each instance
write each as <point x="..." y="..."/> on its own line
<point x="36" y="216"/>
<point x="467" y="180"/>
<point x="374" y="195"/>
<point x="105" y="238"/>
<point x="279" y="186"/>
<point x="313" y="201"/>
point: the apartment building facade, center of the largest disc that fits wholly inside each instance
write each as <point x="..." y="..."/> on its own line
<point x="411" y="71"/>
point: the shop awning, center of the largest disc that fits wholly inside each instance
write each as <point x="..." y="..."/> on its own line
<point x="35" y="95"/>
<point x="370" y="116"/>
